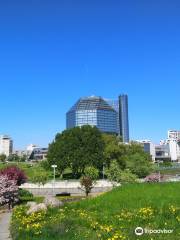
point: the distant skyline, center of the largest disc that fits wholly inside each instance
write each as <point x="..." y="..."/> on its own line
<point x="54" y="52"/>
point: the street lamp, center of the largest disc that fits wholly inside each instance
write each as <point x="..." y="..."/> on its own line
<point x="54" y="172"/>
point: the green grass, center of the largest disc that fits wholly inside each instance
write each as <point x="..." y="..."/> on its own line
<point x="170" y="171"/>
<point x="116" y="213"/>
<point x="30" y="169"/>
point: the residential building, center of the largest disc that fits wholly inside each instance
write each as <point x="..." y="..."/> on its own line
<point x="149" y="147"/>
<point x="173" y="147"/>
<point x="162" y="153"/>
<point x="36" y="153"/>
<point x="174" y="134"/>
<point x="93" y="111"/>
<point x="6" y="145"/>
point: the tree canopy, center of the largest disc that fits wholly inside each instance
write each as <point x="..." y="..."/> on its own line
<point x="77" y="148"/>
<point x="80" y="147"/>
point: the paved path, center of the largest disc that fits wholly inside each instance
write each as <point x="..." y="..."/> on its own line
<point x="5" y="218"/>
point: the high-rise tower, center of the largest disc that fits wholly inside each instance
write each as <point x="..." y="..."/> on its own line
<point x="123" y="117"/>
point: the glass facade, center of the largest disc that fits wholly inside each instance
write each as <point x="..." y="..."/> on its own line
<point x="123" y="117"/>
<point x="93" y="111"/>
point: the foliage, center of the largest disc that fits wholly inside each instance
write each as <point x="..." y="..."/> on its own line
<point x="166" y="164"/>
<point x="77" y="148"/>
<point x="116" y="175"/>
<point x="40" y="178"/>
<point x="128" y="156"/>
<point x="14" y="173"/>
<point x="45" y="164"/>
<point x="113" y="173"/>
<point x="13" y="158"/>
<point x="114" y="150"/>
<point x="24" y="193"/>
<point x="89" y="179"/>
<point x="127" y="177"/>
<point x="91" y="172"/>
<point x="30" y="169"/>
<point x="86" y="184"/>
<point x="8" y="190"/>
<point x="2" y="157"/>
<point x="113" y="215"/>
<point x="16" y="158"/>
<point x="139" y="164"/>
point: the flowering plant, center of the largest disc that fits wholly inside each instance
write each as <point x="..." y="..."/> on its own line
<point x="14" y="173"/>
<point x="153" y="178"/>
<point x="8" y="191"/>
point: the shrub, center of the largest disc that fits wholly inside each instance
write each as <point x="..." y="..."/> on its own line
<point x="127" y="177"/>
<point x="152" y="178"/>
<point x="14" y="173"/>
<point x="91" y="172"/>
<point x="40" y="178"/>
<point x="113" y="173"/>
<point x="87" y="184"/>
<point x="25" y="193"/>
<point x="2" y="158"/>
<point x="8" y="191"/>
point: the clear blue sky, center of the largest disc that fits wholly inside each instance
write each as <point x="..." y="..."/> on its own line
<point x="52" y="52"/>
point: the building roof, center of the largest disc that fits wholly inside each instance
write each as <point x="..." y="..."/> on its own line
<point x="91" y="103"/>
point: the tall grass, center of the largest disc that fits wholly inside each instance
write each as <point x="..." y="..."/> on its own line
<point x="115" y="215"/>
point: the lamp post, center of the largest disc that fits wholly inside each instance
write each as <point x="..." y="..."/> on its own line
<point x="54" y="174"/>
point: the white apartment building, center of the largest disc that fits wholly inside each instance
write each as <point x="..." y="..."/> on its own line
<point x="174" y="134"/>
<point x="172" y="143"/>
<point x="36" y="153"/>
<point x="149" y="147"/>
<point x="6" y="145"/>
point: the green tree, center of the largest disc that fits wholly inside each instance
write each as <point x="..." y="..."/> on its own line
<point x="14" y="158"/>
<point x="140" y="164"/>
<point x="91" y="172"/>
<point x="2" y="158"/>
<point x="113" y="172"/>
<point x="114" y="150"/>
<point x="40" y="178"/>
<point x="77" y="148"/>
<point x="116" y="175"/>
<point x="127" y="176"/>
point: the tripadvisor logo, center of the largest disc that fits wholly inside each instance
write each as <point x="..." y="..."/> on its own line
<point x="140" y="231"/>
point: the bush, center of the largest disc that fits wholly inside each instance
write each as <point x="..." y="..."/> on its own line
<point x="8" y="191"/>
<point x="152" y="178"/>
<point x="14" y="173"/>
<point x="25" y="193"/>
<point x="40" y="178"/>
<point x="127" y="177"/>
<point x="87" y="184"/>
<point x="115" y="174"/>
<point x="91" y="172"/>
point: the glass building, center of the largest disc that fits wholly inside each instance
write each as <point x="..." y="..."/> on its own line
<point x="123" y="117"/>
<point x="94" y="111"/>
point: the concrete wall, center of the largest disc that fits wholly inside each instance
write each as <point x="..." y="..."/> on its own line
<point x="72" y="187"/>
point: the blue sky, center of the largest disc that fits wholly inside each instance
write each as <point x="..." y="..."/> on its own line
<point x="52" y="52"/>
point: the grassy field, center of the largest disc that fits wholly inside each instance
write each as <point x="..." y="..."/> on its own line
<point x="33" y="169"/>
<point x="170" y="171"/>
<point x="30" y="169"/>
<point x="111" y="216"/>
